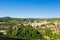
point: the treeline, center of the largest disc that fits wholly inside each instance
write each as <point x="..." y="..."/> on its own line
<point x="6" y="19"/>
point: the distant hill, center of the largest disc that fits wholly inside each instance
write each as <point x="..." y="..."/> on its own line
<point x="6" y="19"/>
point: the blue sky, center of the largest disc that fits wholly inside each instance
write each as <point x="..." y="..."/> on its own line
<point x="30" y="8"/>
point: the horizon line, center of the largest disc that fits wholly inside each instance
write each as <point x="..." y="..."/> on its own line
<point x="30" y="17"/>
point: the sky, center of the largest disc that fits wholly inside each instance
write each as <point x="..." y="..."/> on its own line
<point x="30" y="8"/>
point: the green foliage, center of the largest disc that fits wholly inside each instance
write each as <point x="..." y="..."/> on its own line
<point x="43" y="25"/>
<point x="48" y="33"/>
<point x="9" y="31"/>
<point x="24" y="32"/>
<point x="52" y="36"/>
